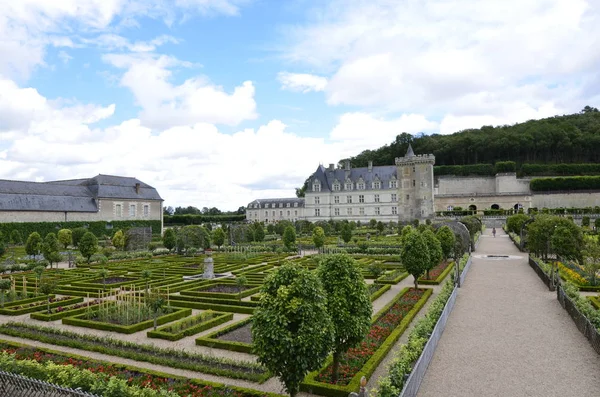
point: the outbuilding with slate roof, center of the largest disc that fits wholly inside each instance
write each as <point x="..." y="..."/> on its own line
<point x="101" y="198"/>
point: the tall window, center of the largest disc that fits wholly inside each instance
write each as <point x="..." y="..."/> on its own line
<point x="349" y="211"/>
<point x="132" y="210"/>
<point x="273" y="214"/>
<point x="377" y="185"/>
<point x="349" y="199"/>
<point x="280" y="214"/>
<point x="394" y="210"/>
<point x="295" y="212"/>
<point x="288" y="213"/>
<point x="336" y="211"/>
<point x="146" y="210"/>
<point x="376" y="198"/>
<point x="377" y="211"/>
<point x="361" y="198"/>
<point x="317" y="200"/>
<point x="266" y="213"/>
<point x="414" y="169"/>
<point x="394" y="197"/>
<point x="336" y="199"/>
<point x="317" y="212"/>
<point x="361" y="211"/>
<point x="118" y="210"/>
<point x="414" y="183"/>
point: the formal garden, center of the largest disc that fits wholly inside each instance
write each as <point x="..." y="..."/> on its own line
<point x="267" y="321"/>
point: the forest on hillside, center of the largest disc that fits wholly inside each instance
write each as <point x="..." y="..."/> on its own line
<point x="573" y="138"/>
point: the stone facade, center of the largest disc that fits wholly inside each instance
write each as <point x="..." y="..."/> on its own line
<point x="275" y="210"/>
<point x="408" y="190"/>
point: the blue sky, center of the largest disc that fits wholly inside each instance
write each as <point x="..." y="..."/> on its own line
<point x="219" y="102"/>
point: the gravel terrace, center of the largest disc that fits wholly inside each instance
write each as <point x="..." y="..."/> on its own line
<point x="509" y="336"/>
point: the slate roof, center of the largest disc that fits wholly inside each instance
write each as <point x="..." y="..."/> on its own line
<point x="76" y="195"/>
<point x="271" y="201"/>
<point x="327" y="177"/>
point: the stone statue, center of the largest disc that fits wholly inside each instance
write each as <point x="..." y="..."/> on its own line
<point x="208" y="266"/>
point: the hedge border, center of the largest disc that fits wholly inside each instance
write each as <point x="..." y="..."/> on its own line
<point x="143" y="356"/>
<point x="595" y="301"/>
<point x="201" y="382"/>
<point x="310" y="385"/>
<point x="222" y="295"/>
<point x="218" y="319"/>
<point x="211" y="340"/>
<point x="43" y="306"/>
<point x="392" y="282"/>
<point x="211" y="306"/>
<point x="439" y="278"/>
<point x="67" y="313"/>
<point x="126" y="329"/>
<point x="384" y="288"/>
<point x="230" y="302"/>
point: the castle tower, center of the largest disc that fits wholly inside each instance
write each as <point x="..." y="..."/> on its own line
<point x="415" y="187"/>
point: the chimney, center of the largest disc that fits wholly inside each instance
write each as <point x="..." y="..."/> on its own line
<point x="347" y="165"/>
<point x="331" y="166"/>
<point x="137" y="188"/>
<point x="370" y="165"/>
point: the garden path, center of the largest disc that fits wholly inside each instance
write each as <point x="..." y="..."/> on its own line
<point x="509" y="336"/>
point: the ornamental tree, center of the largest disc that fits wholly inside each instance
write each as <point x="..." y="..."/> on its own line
<point x="88" y="245"/>
<point x="591" y="258"/>
<point x="348" y="304"/>
<point x="169" y="239"/>
<point x="33" y="246"/>
<point x="434" y="247"/>
<point x="292" y="332"/>
<point x="65" y="237"/>
<point x="447" y="239"/>
<point x="218" y="237"/>
<point x="4" y="286"/>
<point x="77" y="234"/>
<point x="415" y="255"/>
<point x="15" y="237"/>
<point x="289" y="237"/>
<point x="50" y="249"/>
<point x="118" y="240"/>
<point x="318" y="237"/>
<point x="346" y="233"/>
<point x="47" y="288"/>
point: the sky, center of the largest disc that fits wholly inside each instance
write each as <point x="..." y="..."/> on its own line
<point x="220" y="102"/>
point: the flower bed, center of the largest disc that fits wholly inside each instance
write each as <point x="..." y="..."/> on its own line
<point x="65" y="311"/>
<point x="83" y="320"/>
<point x="39" y="305"/>
<point x="214" y="339"/>
<point x="386" y="328"/>
<point x="191" y="326"/>
<point x="168" y="357"/>
<point x="23" y="359"/>
<point x="437" y="274"/>
<point x="575" y="274"/>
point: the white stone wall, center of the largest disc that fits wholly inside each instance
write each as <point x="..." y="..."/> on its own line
<point x="481" y="203"/>
<point x="360" y="211"/>
<point x="566" y="200"/>
<point x="464" y="185"/>
<point x="509" y="183"/>
<point x="270" y="215"/>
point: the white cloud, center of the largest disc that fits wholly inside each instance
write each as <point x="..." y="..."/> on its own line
<point x="361" y="131"/>
<point x="301" y="82"/>
<point x="116" y="42"/>
<point x="195" y="100"/>
<point x="431" y="56"/>
<point x="63" y="56"/>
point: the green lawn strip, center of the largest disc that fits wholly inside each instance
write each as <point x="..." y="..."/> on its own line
<point x="211" y="340"/>
<point x="59" y="356"/>
<point x="38" y="306"/>
<point x="397" y="276"/>
<point x="440" y="278"/>
<point x="176" y="301"/>
<point x="201" y="291"/>
<point x="148" y="353"/>
<point x="203" y="321"/>
<point x="311" y="385"/>
<point x="382" y="290"/>
<point x="80" y="321"/>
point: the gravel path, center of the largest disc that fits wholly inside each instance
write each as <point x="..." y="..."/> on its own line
<point x="509" y="336"/>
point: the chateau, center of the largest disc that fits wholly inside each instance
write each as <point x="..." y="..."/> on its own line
<point x="101" y="198"/>
<point x="406" y="191"/>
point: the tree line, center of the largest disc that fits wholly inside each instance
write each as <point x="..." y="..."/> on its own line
<point x="573" y="138"/>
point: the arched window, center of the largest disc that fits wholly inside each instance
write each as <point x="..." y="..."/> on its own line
<point x="472" y="207"/>
<point x="495" y="207"/>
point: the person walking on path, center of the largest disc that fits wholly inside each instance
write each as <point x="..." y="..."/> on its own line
<point x="494" y="232"/>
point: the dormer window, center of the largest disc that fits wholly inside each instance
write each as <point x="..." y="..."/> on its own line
<point x="360" y="186"/>
<point x="393" y="184"/>
<point x="266" y="205"/>
<point x="376" y="185"/>
<point x="337" y="187"/>
<point x="316" y="186"/>
<point x="348" y="185"/>
<point x="295" y="205"/>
